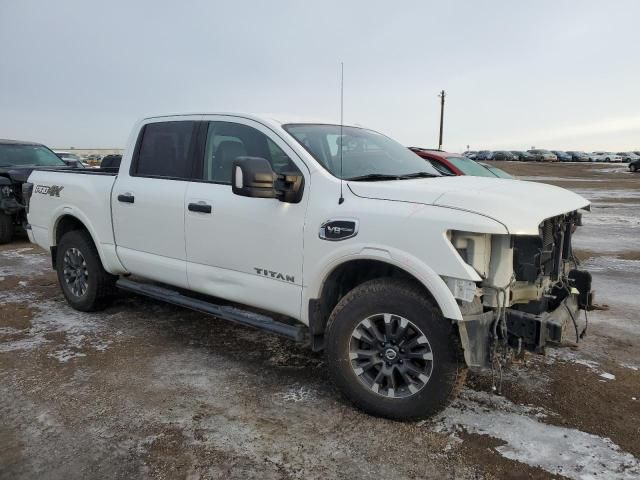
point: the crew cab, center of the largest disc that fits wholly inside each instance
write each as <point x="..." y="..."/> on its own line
<point x="332" y="235"/>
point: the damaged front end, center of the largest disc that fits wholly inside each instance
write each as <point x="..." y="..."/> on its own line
<point x="531" y="293"/>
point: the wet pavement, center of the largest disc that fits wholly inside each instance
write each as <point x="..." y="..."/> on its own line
<point x="147" y="390"/>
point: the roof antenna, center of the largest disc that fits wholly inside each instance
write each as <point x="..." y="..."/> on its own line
<point x="341" y="199"/>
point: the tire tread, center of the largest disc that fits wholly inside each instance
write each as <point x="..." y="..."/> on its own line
<point x="386" y="287"/>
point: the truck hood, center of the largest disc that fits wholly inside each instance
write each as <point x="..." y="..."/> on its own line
<point x="520" y="206"/>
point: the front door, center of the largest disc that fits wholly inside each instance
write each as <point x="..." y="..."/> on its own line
<point x="247" y="250"/>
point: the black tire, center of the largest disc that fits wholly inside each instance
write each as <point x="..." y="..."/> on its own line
<point x="6" y="228"/>
<point x="404" y="300"/>
<point x="100" y="285"/>
<point x="633" y="168"/>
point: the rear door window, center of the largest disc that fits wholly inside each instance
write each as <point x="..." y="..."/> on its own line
<point x="165" y="150"/>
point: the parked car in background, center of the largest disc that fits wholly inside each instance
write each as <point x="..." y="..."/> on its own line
<point x="522" y="156"/>
<point x="504" y="155"/>
<point x="17" y="161"/>
<point x="577" y="156"/>
<point x="484" y="155"/>
<point x="540" y="155"/>
<point x="470" y="154"/>
<point x="71" y="159"/>
<point x="605" y="157"/>
<point x="562" y="156"/>
<point x="629" y="156"/>
<point x="452" y="163"/>
<point x="634" y="166"/>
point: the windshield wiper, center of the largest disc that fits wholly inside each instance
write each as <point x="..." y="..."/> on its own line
<point x="384" y="176"/>
<point x="418" y="175"/>
<point x="374" y="176"/>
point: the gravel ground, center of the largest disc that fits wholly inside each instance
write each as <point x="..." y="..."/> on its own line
<point x="147" y="390"/>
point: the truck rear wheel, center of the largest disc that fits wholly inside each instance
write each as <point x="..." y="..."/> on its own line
<point x="84" y="282"/>
<point x="390" y="351"/>
<point x="6" y="228"/>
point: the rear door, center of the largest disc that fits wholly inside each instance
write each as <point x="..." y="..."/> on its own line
<point x="244" y="249"/>
<point x="148" y="202"/>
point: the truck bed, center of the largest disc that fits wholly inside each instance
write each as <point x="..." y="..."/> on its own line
<point x="83" y="193"/>
<point x="113" y="171"/>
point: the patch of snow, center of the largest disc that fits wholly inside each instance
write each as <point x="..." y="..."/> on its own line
<point x="559" y="179"/>
<point x="608" y="376"/>
<point x="19" y="263"/>
<point x="593" y="194"/>
<point x="81" y="330"/>
<point x="558" y="450"/>
<point x="65" y="355"/>
<point x="611" y="263"/>
<point x="629" y="366"/>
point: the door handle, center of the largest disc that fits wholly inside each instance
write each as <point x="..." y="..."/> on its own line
<point x="126" y="198"/>
<point x="200" y="207"/>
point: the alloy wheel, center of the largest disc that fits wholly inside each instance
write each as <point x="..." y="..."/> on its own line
<point x="390" y="355"/>
<point x="75" y="272"/>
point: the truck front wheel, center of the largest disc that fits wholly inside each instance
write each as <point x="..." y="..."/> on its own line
<point x="84" y="282"/>
<point x="390" y="351"/>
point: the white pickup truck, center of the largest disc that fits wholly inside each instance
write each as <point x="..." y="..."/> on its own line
<point x="355" y="245"/>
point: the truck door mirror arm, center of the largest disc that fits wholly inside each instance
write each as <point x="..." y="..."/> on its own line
<point x="254" y="177"/>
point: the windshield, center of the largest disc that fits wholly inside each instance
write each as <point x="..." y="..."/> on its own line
<point x="364" y="152"/>
<point x="469" y="167"/>
<point x="16" y="155"/>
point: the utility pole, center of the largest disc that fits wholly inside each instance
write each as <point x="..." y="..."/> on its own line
<point x="442" y="95"/>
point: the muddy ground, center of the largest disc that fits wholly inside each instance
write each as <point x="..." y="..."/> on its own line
<point x="147" y="390"/>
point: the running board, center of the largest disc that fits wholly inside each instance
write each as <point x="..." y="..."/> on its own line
<point x="224" y="312"/>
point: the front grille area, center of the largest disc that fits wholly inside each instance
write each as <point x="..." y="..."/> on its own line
<point x="543" y="255"/>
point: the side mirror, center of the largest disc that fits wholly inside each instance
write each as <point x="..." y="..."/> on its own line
<point x="254" y="177"/>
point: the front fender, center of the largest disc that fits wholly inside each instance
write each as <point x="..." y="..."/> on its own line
<point x="409" y="263"/>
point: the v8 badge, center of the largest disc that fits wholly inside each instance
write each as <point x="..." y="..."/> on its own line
<point x="338" y="229"/>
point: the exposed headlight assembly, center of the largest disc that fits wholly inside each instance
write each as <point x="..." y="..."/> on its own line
<point x="474" y="249"/>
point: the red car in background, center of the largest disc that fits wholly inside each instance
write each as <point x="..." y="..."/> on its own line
<point x="457" y="164"/>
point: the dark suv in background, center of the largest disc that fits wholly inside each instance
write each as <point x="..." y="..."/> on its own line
<point x="522" y="156"/>
<point x="484" y="155"/>
<point x="577" y="156"/>
<point x="562" y="156"/>
<point x="504" y="155"/>
<point x="17" y="161"/>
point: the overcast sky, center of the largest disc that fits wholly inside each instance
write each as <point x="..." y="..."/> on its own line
<point x="554" y="74"/>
